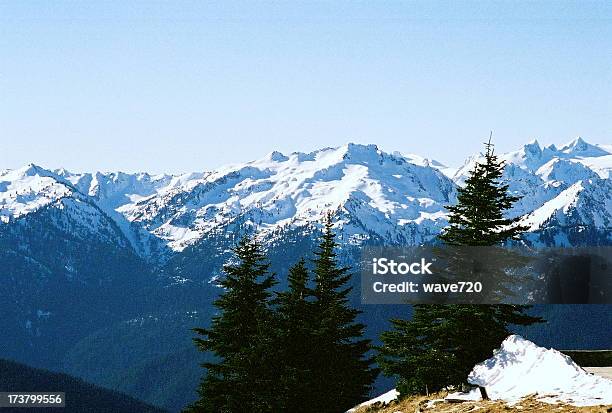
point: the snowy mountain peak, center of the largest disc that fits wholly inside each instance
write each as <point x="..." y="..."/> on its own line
<point x="579" y="147"/>
<point x="276" y="156"/>
<point x="393" y="197"/>
<point x="564" y="170"/>
<point x="28" y="189"/>
<point x="28" y="170"/>
<point x="361" y="150"/>
<point x="533" y="148"/>
<point x="577" y="144"/>
<point x="375" y="192"/>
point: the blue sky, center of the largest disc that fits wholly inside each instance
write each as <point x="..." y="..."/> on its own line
<point x="181" y="86"/>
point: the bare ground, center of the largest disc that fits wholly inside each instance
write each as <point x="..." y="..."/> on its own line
<point x="600" y="371"/>
<point x="420" y="404"/>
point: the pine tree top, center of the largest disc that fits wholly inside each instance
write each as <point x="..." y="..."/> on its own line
<point x="297" y="280"/>
<point x="330" y="278"/>
<point x="479" y="218"/>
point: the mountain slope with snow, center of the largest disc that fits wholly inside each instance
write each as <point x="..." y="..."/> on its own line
<point x="381" y="193"/>
<point x="564" y="192"/>
<point x="398" y="199"/>
<point x="29" y="191"/>
<point x="81" y="253"/>
<point x="26" y="190"/>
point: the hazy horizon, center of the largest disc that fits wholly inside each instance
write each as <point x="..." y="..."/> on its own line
<point x="559" y="145"/>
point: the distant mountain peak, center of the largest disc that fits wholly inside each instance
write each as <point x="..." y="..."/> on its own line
<point x="394" y="196"/>
<point x="580" y="147"/>
<point x="578" y="144"/>
<point x="533" y="148"/>
<point x="277" y="156"/>
<point x="32" y="169"/>
<point x="360" y="151"/>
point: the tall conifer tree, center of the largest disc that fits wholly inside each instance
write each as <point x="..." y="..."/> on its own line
<point x="441" y="343"/>
<point x="343" y="372"/>
<point x="295" y="346"/>
<point x="241" y="337"/>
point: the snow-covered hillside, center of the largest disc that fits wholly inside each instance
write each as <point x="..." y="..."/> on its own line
<point x="25" y="190"/>
<point x="393" y="197"/>
<point x="375" y="193"/>
<point x="31" y="189"/>
<point x="568" y="187"/>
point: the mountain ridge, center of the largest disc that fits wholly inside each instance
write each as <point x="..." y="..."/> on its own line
<point x="83" y="254"/>
<point x="392" y="195"/>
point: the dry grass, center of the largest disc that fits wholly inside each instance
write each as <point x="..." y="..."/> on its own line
<point x="419" y="404"/>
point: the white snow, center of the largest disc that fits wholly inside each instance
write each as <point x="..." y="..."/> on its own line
<point x="564" y="171"/>
<point x="521" y="368"/>
<point x="399" y="198"/>
<point x="586" y="203"/>
<point x="26" y="190"/>
<point x="377" y="193"/>
<point x="383" y="398"/>
<point x="568" y="185"/>
<point x="561" y="203"/>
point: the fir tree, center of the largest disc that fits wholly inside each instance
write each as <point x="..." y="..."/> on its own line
<point x="241" y="338"/>
<point x="342" y="369"/>
<point x="295" y="342"/>
<point x="441" y="343"/>
<point x="478" y="218"/>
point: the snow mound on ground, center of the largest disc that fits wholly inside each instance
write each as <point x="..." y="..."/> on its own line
<point x="383" y="398"/>
<point x="520" y="368"/>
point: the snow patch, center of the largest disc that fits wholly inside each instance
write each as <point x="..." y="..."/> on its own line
<point x="521" y="368"/>
<point x="386" y="398"/>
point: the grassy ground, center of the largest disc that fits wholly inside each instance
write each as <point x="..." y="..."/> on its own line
<point x="418" y="404"/>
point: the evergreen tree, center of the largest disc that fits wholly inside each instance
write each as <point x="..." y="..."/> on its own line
<point x="478" y="218"/>
<point x="241" y="337"/>
<point x="342" y="370"/>
<point x="441" y="343"/>
<point x="295" y="342"/>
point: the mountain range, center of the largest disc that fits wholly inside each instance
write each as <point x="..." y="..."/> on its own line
<point x="393" y="197"/>
<point x="102" y="274"/>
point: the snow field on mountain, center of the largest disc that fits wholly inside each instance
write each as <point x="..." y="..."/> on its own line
<point x="382" y="193"/>
<point x="400" y="199"/>
<point x="26" y="190"/>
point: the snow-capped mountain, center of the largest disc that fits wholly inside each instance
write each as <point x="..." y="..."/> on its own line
<point x="30" y="190"/>
<point x="25" y="190"/>
<point x="82" y="253"/>
<point x="395" y="198"/>
<point x="390" y="196"/>
<point x="374" y="193"/>
<point x="563" y="191"/>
